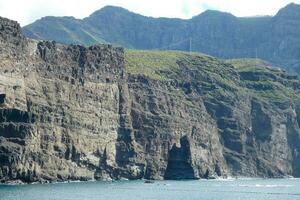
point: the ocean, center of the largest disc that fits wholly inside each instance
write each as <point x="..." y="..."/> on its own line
<point x="224" y="189"/>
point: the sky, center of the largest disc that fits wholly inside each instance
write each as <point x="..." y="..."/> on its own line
<point x="27" y="11"/>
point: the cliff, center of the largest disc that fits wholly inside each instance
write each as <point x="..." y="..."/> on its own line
<point x="77" y="113"/>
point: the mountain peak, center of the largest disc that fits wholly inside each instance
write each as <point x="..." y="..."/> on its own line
<point x="113" y="8"/>
<point x="292" y="10"/>
<point x="214" y="14"/>
<point x="109" y="10"/>
<point x="292" y="5"/>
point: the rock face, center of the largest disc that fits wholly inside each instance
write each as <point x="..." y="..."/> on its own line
<point x="76" y="113"/>
<point x="55" y="100"/>
<point x="275" y="39"/>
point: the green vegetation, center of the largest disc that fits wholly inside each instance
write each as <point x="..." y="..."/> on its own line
<point x="64" y="30"/>
<point x="153" y="64"/>
<point x="217" y="79"/>
<point x="265" y="82"/>
<point x="248" y="63"/>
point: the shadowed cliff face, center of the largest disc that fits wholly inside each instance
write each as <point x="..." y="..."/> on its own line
<point x="76" y="113"/>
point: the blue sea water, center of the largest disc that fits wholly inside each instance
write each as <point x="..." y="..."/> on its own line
<point x="230" y="189"/>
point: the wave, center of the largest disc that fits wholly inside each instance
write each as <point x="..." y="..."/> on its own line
<point x="264" y="186"/>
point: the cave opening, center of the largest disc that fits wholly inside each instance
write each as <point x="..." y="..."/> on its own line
<point x="2" y="98"/>
<point x="179" y="162"/>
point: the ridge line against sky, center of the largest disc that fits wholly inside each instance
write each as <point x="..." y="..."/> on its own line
<point x="27" y="11"/>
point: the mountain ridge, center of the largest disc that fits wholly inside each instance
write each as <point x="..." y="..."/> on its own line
<point x="216" y="33"/>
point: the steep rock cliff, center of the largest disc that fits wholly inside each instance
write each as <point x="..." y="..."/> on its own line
<point x="76" y="113"/>
<point x="67" y="112"/>
<point x="244" y="109"/>
<point x="59" y="107"/>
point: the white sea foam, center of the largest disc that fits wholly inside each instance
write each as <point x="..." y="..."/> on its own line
<point x="264" y="186"/>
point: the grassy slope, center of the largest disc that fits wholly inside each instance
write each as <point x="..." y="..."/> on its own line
<point x="251" y="76"/>
<point x="64" y="30"/>
<point x="269" y="83"/>
<point x="152" y="63"/>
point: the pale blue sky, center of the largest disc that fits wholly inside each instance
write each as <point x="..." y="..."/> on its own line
<point x="27" y="11"/>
